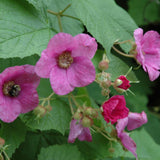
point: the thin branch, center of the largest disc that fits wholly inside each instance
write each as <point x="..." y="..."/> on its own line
<point x="123" y="54"/>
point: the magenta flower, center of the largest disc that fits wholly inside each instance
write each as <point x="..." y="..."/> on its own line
<point x="67" y="62"/>
<point x="121" y="84"/>
<point x="133" y="121"/>
<point x="148" y="51"/>
<point x="78" y="131"/>
<point x="114" y="109"/>
<point x="17" y="91"/>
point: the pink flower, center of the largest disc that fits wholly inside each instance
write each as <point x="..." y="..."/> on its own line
<point x="133" y="121"/>
<point x="121" y="84"/>
<point x="67" y="62"/>
<point x="78" y="131"/>
<point x="148" y="51"/>
<point x="114" y="109"/>
<point x="17" y="91"/>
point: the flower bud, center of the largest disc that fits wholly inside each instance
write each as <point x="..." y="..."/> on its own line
<point x="78" y="115"/>
<point x="121" y="84"/>
<point x="48" y="108"/>
<point x="2" y="142"/>
<point x="40" y="111"/>
<point x="111" y="150"/>
<point x="91" y="112"/>
<point x="103" y="65"/>
<point x="87" y="122"/>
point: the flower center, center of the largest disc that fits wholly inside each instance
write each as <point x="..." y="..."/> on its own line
<point x="11" y="89"/>
<point x="65" y="60"/>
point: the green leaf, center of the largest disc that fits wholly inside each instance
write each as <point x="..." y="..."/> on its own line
<point x="146" y="148"/>
<point x="106" y="21"/>
<point x="58" y="118"/>
<point x="23" y="33"/>
<point x="13" y="134"/>
<point x="148" y="11"/>
<point x="99" y="148"/>
<point x="69" y="25"/>
<point x="60" y="152"/>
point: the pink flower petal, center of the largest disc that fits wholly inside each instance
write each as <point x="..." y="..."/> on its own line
<point x="151" y="42"/>
<point x="28" y="98"/>
<point x="59" y="43"/>
<point x="81" y="72"/>
<point x="138" y="35"/>
<point x="44" y="65"/>
<point x="75" y="130"/>
<point x="11" y="73"/>
<point x="28" y="77"/>
<point x="59" y="81"/>
<point x="87" y="46"/>
<point x="136" y="120"/>
<point x="128" y="143"/>
<point x="9" y="109"/>
<point x="85" y="135"/>
<point x="121" y="124"/>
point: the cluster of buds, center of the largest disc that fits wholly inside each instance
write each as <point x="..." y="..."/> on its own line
<point x="86" y="116"/>
<point x="40" y="111"/>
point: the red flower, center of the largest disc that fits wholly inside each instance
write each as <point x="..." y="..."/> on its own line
<point x="114" y="109"/>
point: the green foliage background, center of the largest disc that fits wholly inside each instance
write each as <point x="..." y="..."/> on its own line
<point x="25" y="30"/>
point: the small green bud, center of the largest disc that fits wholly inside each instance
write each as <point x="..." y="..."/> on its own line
<point x="2" y="142"/>
<point x="91" y="112"/>
<point x="103" y="65"/>
<point x="78" y="115"/>
<point x="87" y="122"/>
<point x="40" y="111"/>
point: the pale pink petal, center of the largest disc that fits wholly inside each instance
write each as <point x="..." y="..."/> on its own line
<point x="44" y="65"/>
<point x="59" y="81"/>
<point x="121" y="124"/>
<point x="59" y="43"/>
<point x="138" y="36"/>
<point x="136" y="120"/>
<point x="9" y="109"/>
<point x="75" y="130"/>
<point x="81" y="72"/>
<point x="28" y="98"/>
<point x="152" y="72"/>
<point x="151" y="42"/>
<point x="28" y="76"/>
<point x="85" y="135"/>
<point x="87" y="46"/>
<point x="128" y="143"/>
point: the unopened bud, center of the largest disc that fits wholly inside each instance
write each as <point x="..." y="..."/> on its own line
<point x="91" y="112"/>
<point x="2" y="142"/>
<point x="111" y="150"/>
<point x="113" y="133"/>
<point x="48" y="108"/>
<point x="40" y="111"/>
<point x="87" y="122"/>
<point x="103" y="65"/>
<point x="106" y="83"/>
<point x="78" y="115"/>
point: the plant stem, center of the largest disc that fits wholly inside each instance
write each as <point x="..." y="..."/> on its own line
<point x="123" y="54"/>
<point x="122" y="42"/>
<point x="70" y="104"/>
<point x="59" y="23"/>
<point x="51" y="12"/>
<point x="65" y="15"/>
<point x="75" y="102"/>
<point x="65" y="9"/>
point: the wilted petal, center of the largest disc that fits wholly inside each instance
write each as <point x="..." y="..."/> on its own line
<point x="128" y="143"/>
<point x="75" y="130"/>
<point x="136" y="120"/>
<point x="85" y="135"/>
<point x="86" y="46"/>
<point x="121" y="124"/>
<point x="81" y="72"/>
